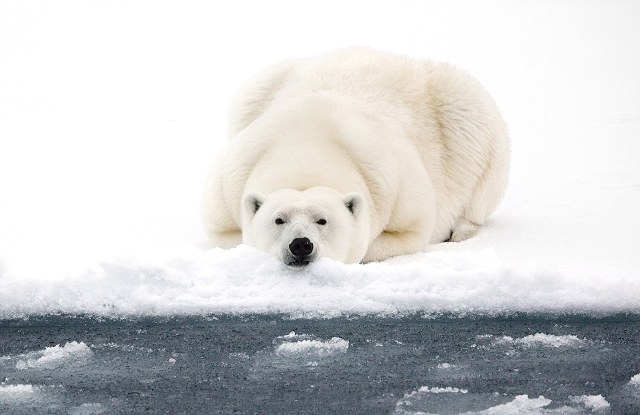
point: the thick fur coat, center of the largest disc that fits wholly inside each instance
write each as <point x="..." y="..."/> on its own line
<point x="420" y="145"/>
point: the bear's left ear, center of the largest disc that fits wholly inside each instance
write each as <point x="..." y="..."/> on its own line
<point x="251" y="202"/>
<point x="354" y="202"/>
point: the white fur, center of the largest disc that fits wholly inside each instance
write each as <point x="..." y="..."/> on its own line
<point x="420" y="143"/>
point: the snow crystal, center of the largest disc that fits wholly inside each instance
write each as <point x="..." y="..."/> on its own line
<point x="71" y="354"/>
<point x="635" y="380"/>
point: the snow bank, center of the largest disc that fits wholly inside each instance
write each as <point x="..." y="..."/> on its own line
<point x="244" y="280"/>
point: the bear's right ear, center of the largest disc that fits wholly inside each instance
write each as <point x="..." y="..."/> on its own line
<point x="354" y="202"/>
<point x="252" y="202"/>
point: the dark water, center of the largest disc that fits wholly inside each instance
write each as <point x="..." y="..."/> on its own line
<point x="248" y="365"/>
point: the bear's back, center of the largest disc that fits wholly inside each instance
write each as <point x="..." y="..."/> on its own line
<point x="393" y="82"/>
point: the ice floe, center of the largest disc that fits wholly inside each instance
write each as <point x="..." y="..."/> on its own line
<point x="540" y="340"/>
<point x="71" y="354"/>
<point x="304" y="345"/>
<point x="450" y="400"/>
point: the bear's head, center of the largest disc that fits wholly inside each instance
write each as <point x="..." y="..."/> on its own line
<point x="300" y="226"/>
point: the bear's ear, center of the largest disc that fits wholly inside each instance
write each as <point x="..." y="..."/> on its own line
<point x="354" y="202"/>
<point x="252" y="202"/>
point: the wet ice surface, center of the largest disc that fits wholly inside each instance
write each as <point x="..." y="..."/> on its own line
<point x="270" y="364"/>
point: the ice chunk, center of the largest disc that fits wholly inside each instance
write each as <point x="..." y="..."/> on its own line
<point x="594" y="403"/>
<point x="450" y="400"/>
<point x="88" y="409"/>
<point x="313" y="347"/>
<point x="71" y="354"/>
<point x="293" y="336"/>
<point x="17" y="394"/>
<point x="448" y="389"/>
<point x="521" y="404"/>
<point x="538" y="340"/>
<point x="19" y="389"/>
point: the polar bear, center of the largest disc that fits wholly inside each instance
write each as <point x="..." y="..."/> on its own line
<point x="356" y="155"/>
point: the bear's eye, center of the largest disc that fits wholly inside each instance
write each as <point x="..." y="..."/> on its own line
<point x="321" y="222"/>
<point x="279" y="221"/>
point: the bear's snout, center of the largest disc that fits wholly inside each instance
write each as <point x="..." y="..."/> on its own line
<point x="300" y="253"/>
<point x="301" y="247"/>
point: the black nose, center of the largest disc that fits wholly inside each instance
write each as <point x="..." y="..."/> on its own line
<point x="301" y="247"/>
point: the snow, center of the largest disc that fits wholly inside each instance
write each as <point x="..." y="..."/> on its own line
<point x="596" y="403"/>
<point x="244" y="280"/>
<point x="448" y="389"/>
<point x="542" y="340"/>
<point x="521" y="404"/>
<point x="423" y="401"/>
<point x="71" y="354"/>
<point x="313" y="347"/>
<point x="106" y="136"/>
<point x="20" y="389"/>
<point x="18" y="394"/>
<point x="88" y="409"/>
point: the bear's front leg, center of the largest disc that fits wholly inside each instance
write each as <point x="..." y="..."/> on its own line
<point x="226" y="240"/>
<point x="393" y="243"/>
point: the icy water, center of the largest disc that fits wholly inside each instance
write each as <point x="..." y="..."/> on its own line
<point x="365" y="365"/>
